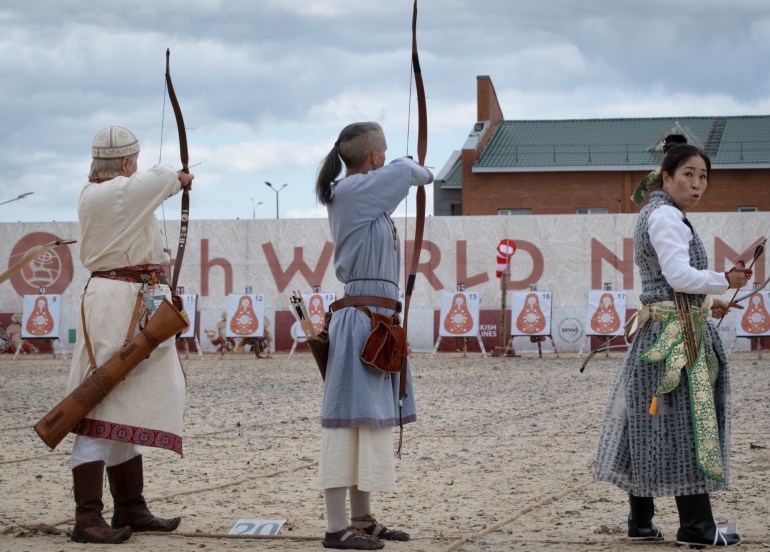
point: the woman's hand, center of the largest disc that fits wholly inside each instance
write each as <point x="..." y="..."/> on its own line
<point x="721" y="306"/>
<point x="738" y="276"/>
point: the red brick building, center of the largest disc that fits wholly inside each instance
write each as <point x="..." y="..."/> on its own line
<point x="593" y="165"/>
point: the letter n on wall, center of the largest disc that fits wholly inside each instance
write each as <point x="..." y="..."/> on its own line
<point x="624" y="265"/>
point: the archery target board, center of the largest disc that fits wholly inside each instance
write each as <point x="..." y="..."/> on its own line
<point x="40" y="316"/>
<point x="245" y="315"/>
<point x="190" y="302"/>
<point x="605" y="312"/>
<point x="531" y="312"/>
<point x="316" y="305"/>
<point x="754" y="319"/>
<point x="459" y="314"/>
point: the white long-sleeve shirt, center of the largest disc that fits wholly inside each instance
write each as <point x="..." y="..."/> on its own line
<point x="670" y="236"/>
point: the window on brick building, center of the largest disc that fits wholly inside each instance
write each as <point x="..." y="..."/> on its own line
<point x="514" y="211"/>
<point x="747" y="209"/>
<point x="591" y="211"/>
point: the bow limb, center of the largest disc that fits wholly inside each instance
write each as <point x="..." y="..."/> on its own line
<point x="744" y="297"/>
<point x="183" y="154"/>
<point x="603" y="347"/>
<point x="422" y="114"/>
<point x="178" y="115"/>
<point x="30" y="256"/>
<point x="422" y="147"/>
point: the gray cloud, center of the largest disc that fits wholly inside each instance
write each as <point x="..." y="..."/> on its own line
<point x="265" y="86"/>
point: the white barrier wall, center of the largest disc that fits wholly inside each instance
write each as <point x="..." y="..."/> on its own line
<point x="566" y="254"/>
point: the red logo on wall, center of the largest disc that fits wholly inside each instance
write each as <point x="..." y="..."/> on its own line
<point x="51" y="270"/>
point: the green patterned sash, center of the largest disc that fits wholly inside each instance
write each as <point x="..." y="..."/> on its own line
<point x="701" y="376"/>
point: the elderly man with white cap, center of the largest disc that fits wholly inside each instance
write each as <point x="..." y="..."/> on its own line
<point x="122" y="248"/>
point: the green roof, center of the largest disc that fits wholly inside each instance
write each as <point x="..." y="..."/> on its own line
<point x="454" y="174"/>
<point x="601" y="144"/>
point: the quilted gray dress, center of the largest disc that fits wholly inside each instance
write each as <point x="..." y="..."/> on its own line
<point x="649" y="455"/>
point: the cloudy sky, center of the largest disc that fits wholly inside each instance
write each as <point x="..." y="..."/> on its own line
<point x="266" y="85"/>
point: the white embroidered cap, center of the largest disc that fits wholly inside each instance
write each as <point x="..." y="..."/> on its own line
<point x="114" y="142"/>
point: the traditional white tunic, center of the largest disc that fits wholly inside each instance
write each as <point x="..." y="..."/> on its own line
<point x="119" y="228"/>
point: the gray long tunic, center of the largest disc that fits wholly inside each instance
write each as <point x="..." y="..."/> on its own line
<point x="649" y="455"/>
<point x="367" y="260"/>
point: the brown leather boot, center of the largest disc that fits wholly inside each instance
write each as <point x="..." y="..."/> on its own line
<point x="127" y="485"/>
<point x="90" y="526"/>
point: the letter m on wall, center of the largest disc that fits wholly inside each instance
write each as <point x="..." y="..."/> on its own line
<point x="624" y="264"/>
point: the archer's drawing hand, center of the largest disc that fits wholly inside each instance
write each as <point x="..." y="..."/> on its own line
<point x="738" y="276"/>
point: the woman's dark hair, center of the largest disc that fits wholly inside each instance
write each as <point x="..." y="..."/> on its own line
<point x="355" y="142"/>
<point x="676" y="155"/>
<point x="673" y="140"/>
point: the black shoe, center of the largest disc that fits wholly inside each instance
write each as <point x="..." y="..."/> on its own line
<point x="380" y="531"/>
<point x="696" y="524"/>
<point x="351" y="538"/>
<point x="699" y="541"/>
<point x="651" y="533"/>
<point x="640" y="526"/>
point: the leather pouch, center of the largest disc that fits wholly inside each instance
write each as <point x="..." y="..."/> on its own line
<point x="385" y="348"/>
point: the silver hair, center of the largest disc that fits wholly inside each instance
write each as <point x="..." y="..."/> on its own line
<point x="107" y="169"/>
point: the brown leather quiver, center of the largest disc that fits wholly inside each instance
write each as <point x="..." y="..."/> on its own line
<point x="319" y="348"/>
<point x="54" y="426"/>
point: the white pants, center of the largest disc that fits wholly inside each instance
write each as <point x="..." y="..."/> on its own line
<point x="91" y="449"/>
<point x="361" y="456"/>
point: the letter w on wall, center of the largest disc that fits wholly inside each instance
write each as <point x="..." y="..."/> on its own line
<point x="283" y="277"/>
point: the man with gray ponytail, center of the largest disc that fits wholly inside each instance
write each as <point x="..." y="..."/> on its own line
<point x="360" y="403"/>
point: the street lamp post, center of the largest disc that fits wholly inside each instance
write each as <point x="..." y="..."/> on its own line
<point x="254" y="208"/>
<point x="17" y="198"/>
<point x="276" y="195"/>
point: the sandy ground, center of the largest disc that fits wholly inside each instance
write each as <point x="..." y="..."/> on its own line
<point x="500" y="458"/>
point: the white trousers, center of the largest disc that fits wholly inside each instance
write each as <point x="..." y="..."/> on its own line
<point x="361" y="456"/>
<point x="91" y="449"/>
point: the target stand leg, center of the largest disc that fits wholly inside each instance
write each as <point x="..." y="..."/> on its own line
<point x="481" y="346"/>
<point x="435" y="347"/>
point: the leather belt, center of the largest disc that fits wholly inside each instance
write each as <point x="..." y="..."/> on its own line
<point x="140" y="277"/>
<point x="366" y="301"/>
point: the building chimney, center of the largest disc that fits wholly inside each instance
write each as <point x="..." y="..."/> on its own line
<point x="487" y="106"/>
